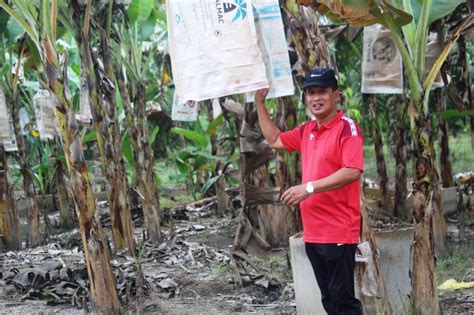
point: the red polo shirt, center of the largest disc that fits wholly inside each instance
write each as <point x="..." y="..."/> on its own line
<point x="331" y="216"/>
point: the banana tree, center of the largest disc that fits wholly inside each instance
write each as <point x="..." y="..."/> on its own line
<point x="28" y="183"/>
<point x="379" y="156"/>
<point x="60" y="190"/>
<point x="40" y="24"/>
<point x="9" y="221"/>
<point x="131" y="63"/>
<point x="104" y="113"/>
<point x="408" y="21"/>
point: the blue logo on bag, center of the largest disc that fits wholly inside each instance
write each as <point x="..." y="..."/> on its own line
<point x="240" y="6"/>
<point x="241" y="10"/>
<point x="224" y="8"/>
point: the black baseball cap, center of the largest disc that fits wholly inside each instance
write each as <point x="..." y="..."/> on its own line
<point x="320" y="77"/>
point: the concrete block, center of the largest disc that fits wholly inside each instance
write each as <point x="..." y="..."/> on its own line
<point x="450" y="199"/>
<point x="394" y="251"/>
<point x="308" y="296"/>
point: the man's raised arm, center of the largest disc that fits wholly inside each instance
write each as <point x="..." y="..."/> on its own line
<point x="269" y="130"/>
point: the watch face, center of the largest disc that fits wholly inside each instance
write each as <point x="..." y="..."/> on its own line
<point x="309" y="188"/>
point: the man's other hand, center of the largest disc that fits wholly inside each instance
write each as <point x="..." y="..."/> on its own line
<point x="294" y="195"/>
<point x="261" y="95"/>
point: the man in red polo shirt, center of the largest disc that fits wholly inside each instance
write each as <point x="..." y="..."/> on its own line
<point x="331" y="149"/>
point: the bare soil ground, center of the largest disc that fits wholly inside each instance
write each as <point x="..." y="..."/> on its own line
<point x="188" y="273"/>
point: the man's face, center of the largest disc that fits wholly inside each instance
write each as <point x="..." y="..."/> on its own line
<point x="321" y="101"/>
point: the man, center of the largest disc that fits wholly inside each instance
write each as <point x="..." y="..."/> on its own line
<point x="329" y="196"/>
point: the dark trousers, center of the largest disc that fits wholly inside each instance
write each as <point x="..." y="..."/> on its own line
<point x="334" y="270"/>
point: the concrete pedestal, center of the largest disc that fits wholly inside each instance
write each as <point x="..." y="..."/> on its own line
<point x="308" y="296"/>
<point x="394" y="249"/>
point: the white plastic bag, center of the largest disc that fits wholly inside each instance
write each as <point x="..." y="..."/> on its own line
<point x="184" y="110"/>
<point x="44" y="109"/>
<point x="272" y="43"/>
<point x="213" y="48"/>
<point x="216" y="108"/>
<point x="382" y="70"/>
<point x="433" y="50"/>
<point x="84" y="115"/>
<point x="7" y="136"/>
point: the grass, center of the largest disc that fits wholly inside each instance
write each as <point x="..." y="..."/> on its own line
<point x="165" y="169"/>
<point x="454" y="266"/>
<point x="167" y="201"/>
<point x="462" y="157"/>
<point x="222" y="270"/>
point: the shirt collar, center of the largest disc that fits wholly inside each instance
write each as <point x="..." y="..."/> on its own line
<point x="331" y="123"/>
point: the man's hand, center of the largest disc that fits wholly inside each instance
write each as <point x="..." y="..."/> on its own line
<point x="294" y="195"/>
<point x="260" y="96"/>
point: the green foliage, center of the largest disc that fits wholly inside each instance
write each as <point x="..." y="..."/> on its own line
<point x="459" y="260"/>
<point x="196" y="137"/>
<point x="451" y="113"/>
<point x="456" y="265"/>
<point x="195" y="163"/>
<point x="439" y="9"/>
<point x="4" y="18"/>
<point x="462" y="158"/>
<point x="90" y="136"/>
<point x="148" y="27"/>
<point x="127" y="149"/>
<point x="26" y="15"/>
<point x="362" y="12"/>
<point x="222" y="270"/>
<point x="139" y="10"/>
<point x="43" y="172"/>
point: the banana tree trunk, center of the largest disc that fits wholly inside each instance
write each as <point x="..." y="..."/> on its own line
<point x="104" y="114"/>
<point x="379" y="155"/>
<point x="437" y="211"/>
<point x="9" y="221"/>
<point x="101" y="277"/>
<point x="115" y="171"/>
<point x="400" y="209"/>
<point x="466" y="82"/>
<point x="61" y="198"/>
<point x="33" y="238"/>
<point x="216" y="150"/>
<point x="266" y="212"/>
<point x="424" y="293"/>
<point x="137" y="129"/>
<point x="286" y="164"/>
<point x="144" y="160"/>
<point x="447" y="179"/>
<point x="255" y="156"/>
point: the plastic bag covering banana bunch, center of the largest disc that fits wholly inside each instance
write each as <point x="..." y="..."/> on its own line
<point x="213" y="48"/>
<point x="7" y="137"/>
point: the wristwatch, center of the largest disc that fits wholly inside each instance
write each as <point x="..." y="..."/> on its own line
<point x="309" y="188"/>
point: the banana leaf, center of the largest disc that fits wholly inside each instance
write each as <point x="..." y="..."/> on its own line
<point x="4" y="17"/>
<point x="455" y="113"/>
<point x="359" y="12"/>
<point x="140" y="10"/>
<point x="439" y="9"/>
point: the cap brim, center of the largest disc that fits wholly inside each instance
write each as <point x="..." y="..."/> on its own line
<point x="320" y="83"/>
